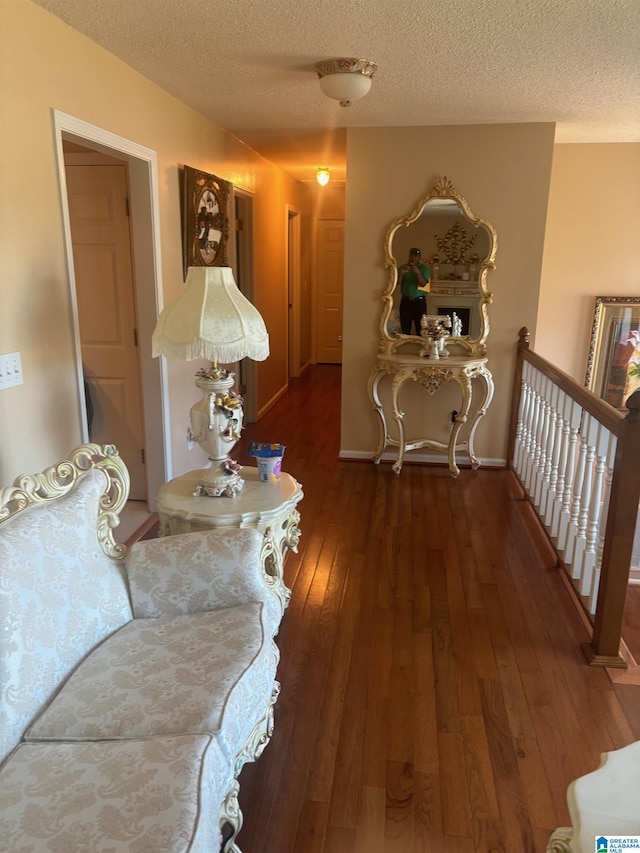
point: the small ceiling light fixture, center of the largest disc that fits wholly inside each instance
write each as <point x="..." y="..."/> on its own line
<point x="345" y="79"/>
<point x="323" y="176"/>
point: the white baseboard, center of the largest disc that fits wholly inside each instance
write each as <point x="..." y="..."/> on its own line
<point x="413" y="456"/>
<point x="271" y="403"/>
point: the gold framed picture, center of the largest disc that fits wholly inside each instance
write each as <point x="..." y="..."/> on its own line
<point x="205" y="219"/>
<point x="613" y="365"/>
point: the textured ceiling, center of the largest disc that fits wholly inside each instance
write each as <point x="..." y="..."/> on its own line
<point x="249" y="65"/>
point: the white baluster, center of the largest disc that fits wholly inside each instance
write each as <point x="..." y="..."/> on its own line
<point x="589" y="559"/>
<point x="521" y="424"/>
<point x="527" y="442"/>
<point x="569" y="480"/>
<point x="533" y="438"/>
<point x="538" y="405"/>
<point x="576" y="495"/>
<point x="590" y="429"/>
<point x="612" y="443"/>
<point x="564" y="420"/>
<point x="544" y="443"/>
<point x="553" y="450"/>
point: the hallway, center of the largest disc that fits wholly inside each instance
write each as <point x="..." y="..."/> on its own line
<point x="434" y="695"/>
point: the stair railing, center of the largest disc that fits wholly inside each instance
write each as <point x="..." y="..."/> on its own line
<point x="578" y="461"/>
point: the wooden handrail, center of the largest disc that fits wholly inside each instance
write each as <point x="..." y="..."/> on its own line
<point x="608" y="416"/>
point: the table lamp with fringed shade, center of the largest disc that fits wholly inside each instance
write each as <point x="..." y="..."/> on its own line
<point x="211" y="319"/>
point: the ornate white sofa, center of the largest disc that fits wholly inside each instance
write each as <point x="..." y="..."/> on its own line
<point x="604" y="803"/>
<point x="135" y="683"/>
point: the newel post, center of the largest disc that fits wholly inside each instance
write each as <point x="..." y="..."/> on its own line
<point x="516" y="394"/>
<point x="604" y="648"/>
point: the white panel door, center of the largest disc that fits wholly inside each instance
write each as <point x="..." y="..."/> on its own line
<point x="106" y="309"/>
<point x="330" y="275"/>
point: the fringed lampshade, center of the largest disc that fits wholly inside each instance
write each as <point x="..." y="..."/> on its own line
<point x="211" y="319"/>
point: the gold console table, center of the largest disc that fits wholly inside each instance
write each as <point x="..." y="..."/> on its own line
<point x="432" y="375"/>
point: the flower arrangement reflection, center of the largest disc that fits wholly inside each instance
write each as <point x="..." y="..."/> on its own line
<point x="455" y="244"/>
<point x="434" y="329"/>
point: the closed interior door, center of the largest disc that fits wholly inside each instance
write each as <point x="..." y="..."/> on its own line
<point x="106" y="310"/>
<point x="329" y="292"/>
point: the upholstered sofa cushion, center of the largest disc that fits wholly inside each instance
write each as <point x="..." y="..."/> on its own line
<point x="60" y="595"/>
<point x="160" y="795"/>
<point x="200" y="571"/>
<point x="210" y="672"/>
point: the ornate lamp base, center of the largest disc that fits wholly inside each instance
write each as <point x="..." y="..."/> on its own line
<point x="216" y="423"/>
<point x="218" y="483"/>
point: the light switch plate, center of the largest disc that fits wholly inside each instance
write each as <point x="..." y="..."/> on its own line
<point x="10" y="370"/>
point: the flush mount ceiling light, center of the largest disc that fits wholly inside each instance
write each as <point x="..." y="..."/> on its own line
<point x="323" y="176"/>
<point x="345" y="79"/>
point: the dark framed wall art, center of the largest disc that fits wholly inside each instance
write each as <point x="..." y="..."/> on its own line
<point x="205" y="219"/>
<point x="613" y="364"/>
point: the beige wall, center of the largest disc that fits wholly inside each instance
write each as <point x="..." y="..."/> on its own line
<point x="45" y="65"/>
<point x="328" y="202"/>
<point x="592" y="245"/>
<point x="503" y="171"/>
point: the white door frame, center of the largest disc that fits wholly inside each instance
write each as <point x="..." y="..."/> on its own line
<point x="293" y="289"/>
<point x="242" y="263"/>
<point x="145" y="227"/>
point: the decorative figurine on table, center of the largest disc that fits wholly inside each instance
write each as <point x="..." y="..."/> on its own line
<point x="434" y="332"/>
<point x="456" y="326"/>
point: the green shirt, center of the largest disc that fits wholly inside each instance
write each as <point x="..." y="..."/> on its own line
<point x="410" y="281"/>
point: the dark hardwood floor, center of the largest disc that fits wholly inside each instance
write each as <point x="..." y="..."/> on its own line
<point x="434" y="695"/>
<point x="631" y="626"/>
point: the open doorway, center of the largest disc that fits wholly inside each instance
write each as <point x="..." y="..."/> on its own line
<point x="140" y="170"/>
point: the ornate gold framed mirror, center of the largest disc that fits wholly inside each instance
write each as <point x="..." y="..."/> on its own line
<point x="457" y="249"/>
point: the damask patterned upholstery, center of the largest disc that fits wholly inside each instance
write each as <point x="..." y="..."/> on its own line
<point x="209" y="672"/>
<point x="60" y="595"/>
<point x="135" y="684"/>
<point x="139" y="796"/>
<point x="183" y="574"/>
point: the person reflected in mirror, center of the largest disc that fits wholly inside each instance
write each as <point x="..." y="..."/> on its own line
<point x="414" y="278"/>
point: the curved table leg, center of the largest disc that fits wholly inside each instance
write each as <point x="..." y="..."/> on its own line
<point x="461" y="418"/>
<point x="374" y="380"/>
<point x="398" y="414"/>
<point x="480" y="413"/>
